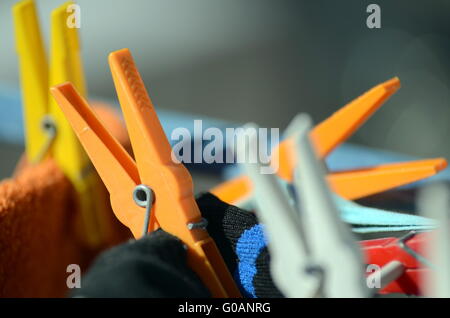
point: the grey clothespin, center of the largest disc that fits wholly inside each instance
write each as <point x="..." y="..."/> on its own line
<point x="288" y="249"/>
<point x="331" y="241"/>
<point x="312" y="250"/>
<point x="434" y="203"/>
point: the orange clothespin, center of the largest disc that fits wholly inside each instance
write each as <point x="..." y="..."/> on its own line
<point x="154" y="181"/>
<point x="326" y="137"/>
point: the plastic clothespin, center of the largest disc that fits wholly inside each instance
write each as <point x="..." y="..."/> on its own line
<point x="434" y="202"/>
<point x="290" y="259"/>
<point x="312" y="251"/>
<point x="47" y="132"/>
<point x="154" y="181"/>
<point x="333" y="246"/>
<point x="353" y="184"/>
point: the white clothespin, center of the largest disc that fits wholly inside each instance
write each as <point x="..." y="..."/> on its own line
<point x="312" y="250"/>
<point x="434" y="203"/>
<point x="290" y="267"/>
<point x="332" y="244"/>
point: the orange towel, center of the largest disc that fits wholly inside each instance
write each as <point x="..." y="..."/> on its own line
<point x="38" y="219"/>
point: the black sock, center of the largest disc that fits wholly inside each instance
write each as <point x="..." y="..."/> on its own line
<point x="226" y="225"/>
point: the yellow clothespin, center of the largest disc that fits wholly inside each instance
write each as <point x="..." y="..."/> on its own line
<point x="47" y="132"/>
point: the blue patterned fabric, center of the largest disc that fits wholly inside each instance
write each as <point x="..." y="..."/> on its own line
<point x="248" y="248"/>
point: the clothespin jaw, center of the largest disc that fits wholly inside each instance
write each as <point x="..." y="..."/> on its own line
<point x="115" y="166"/>
<point x="47" y="132"/>
<point x="65" y="51"/>
<point x="173" y="208"/>
<point x="360" y="183"/>
<point x="327" y="136"/>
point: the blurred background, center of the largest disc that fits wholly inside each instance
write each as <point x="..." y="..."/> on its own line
<point x="265" y="61"/>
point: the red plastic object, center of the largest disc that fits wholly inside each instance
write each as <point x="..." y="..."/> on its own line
<point x="409" y="251"/>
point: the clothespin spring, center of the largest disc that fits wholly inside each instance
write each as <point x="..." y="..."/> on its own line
<point x="144" y="197"/>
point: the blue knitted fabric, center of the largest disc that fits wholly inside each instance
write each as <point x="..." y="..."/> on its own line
<point x="249" y="246"/>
